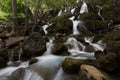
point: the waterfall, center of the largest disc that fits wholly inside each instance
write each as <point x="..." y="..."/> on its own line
<point x="44" y="28"/>
<point x="59" y="13"/>
<point x="47" y="66"/>
<point x="30" y="75"/>
<point x="73" y="10"/>
<point x="75" y="25"/>
<point x="20" y="52"/>
<point x="77" y="49"/>
<point x="84" y="8"/>
<point x="99" y="11"/>
<point x="8" y="70"/>
<point x="49" y="46"/>
<point x="97" y="46"/>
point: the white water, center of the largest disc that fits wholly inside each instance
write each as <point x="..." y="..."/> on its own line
<point x="8" y="70"/>
<point x="59" y="13"/>
<point x="30" y="75"/>
<point x="84" y="8"/>
<point x="97" y="46"/>
<point x="99" y="11"/>
<point x="77" y="49"/>
<point x="73" y="10"/>
<point x="47" y="66"/>
<point x="75" y="25"/>
<point x="20" y="52"/>
<point x="49" y="46"/>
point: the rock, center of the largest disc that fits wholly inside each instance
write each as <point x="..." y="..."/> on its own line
<point x="3" y="58"/>
<point x="18" y="74"/>
<point x="60" y="49"/>
<point x="34" y="45"/>
<point x="32" y="61"/>
<point x="88" y="72"/>
<point x="13" y="41"/>
<point x="61" y="24"/>
<point x="71" y="66"/>
<point x="60" y="38"/>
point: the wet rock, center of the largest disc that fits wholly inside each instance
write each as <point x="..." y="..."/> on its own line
<point x="34" y="45"/>
<point x="88" y="72"/>
<point x="32" y="61"/>
<point x="60" y="49"/>
<point x="71" y="66"/>
<point x="18" y="74"/>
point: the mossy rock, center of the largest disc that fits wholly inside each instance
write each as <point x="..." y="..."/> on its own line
<point x="96" y="26"/>
<point x="71" y="66"/>
<point x="60" y="49"/>
<point x="61" y="25"/>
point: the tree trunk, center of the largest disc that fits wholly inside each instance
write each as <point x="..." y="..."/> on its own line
<point x="37" y="11"/>
<point x="26" y="16"/>
<point x="15" y="18"/>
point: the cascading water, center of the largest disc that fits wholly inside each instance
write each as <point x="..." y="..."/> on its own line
<point x="73" y="10"/>
<point x="45" y="27"/>
<point x="97" y="46"/>
<point x="49" y="46"/>
<point x="77" y="49"/>
<point x="59" y="13"/>
<point x="75" y="25"/>
<point x="99" y="11"/>
<point x="84" y="8"/>
<point x="20" y="52"/>
<point x="6" y="72"/>
<point x="48" y="66"/>
<point x="30" y="75"/>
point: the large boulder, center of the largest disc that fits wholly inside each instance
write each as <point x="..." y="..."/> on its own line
<point x="111" y="52"/>
<point x="88" y="72"/>
<point x="18" y="74"/>
<point x="71" y="66"/>
<point x="34" y="45"/>
<point x="60" y="49"/>
<point x="61" y="24"/>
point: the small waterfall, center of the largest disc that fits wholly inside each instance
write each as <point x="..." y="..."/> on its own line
<point x="10" y="62"/>
<point x="49" y="46"/>
<point x="47" y="66"/>
<point x="20" y="52"/>
<point x="30" y="75"/>
<point x="99" y="12"/>
<point x="77" y="49"/>
<point x="75" y="25"/>
<point x="8" y="70"/>
<point x="59" y="13"/>
<point x="97" y="46"/>
<point x="44" y="28"/>
<point x="63" y="76"/>
<point x="73" y="10"/>
<point x="84" y="8"/>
